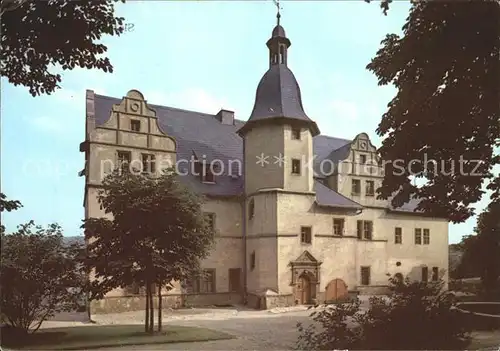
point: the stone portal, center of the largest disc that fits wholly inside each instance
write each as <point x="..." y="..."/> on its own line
<point x="305" y="271"/>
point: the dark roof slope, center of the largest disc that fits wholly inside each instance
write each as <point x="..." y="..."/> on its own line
<point x="201" y="134"/>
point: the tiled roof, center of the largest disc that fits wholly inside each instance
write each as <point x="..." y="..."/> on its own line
<point x="202" y="134"/>
<point x="328" y="197"/>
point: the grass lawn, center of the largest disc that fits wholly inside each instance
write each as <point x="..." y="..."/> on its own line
<point x="93" y="337"/>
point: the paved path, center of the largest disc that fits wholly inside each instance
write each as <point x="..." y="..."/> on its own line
<point x="262" y="331"/>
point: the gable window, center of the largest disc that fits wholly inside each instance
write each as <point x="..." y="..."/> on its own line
<point x="296" y="133"/>
<point x="425" y="274"/>
<point x="370" y="188"/>
<point x="365" y="230"/>
<point x="206" y="283"/>
<point x="148" y="163"/>
<point x="356" y="187"/>
<point x="305" y="235"/>
<point x="210" y="219"/>
<point x="362" y="159"/>
<point x="365" y="275"/>
<point x="295" y="166"/>
<point x="435" y="274"/>
<point x="418" y="236"/>
<point x="252" y="261"/>
<point x="427" y="237"/>
<point x="135" y="125"/>
<point x="398" y="235"/>
<point x="124" y="158"/>
<point x="251" y="209"/>
<point x="338" y="226"/>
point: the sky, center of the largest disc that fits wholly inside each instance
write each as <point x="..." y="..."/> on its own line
<point x="200" y="56"/>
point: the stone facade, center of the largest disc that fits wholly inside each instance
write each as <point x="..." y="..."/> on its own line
<point x="277" y="244"/>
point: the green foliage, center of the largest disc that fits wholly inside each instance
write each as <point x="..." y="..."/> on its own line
<point x="417" y="316"/>
<point x="39" y="35"/>
<point x="157" y="233"/>
<point x="7" y="205"/>
<point x="40" y="275"/>
<point x="482" y="251"/>
<point x="445" y="68"/>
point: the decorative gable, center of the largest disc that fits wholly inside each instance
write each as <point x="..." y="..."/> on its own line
<point x="306" y="257"/>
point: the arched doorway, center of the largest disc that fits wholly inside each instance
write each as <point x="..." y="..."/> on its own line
<point x="336" y="290"/>
<point x="304" y="290"/>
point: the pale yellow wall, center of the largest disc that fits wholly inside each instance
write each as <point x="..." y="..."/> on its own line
<point x="302" y="150"/>
<point x="343" y="257"/>
<point x="270" y="142"/>
<point x="228" y="248"/>
<point x="261" y="238"/>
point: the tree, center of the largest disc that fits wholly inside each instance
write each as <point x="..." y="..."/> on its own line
<point x="417" y="316"/>
<point x="443" y="124"/>
<point x="482" y="251"/>
<point x="38" y="36"/>
<point x="157" y="235"/>
<point x="7" y="205"/>
<point x="40" y="275"/>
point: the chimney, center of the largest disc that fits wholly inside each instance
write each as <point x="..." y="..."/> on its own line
<point x="225" y="117"/>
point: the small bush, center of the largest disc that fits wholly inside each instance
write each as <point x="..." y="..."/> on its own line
<point x="417" y="316"/>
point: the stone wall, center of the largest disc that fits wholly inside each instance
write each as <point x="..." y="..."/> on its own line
<point x="118" y="304"/>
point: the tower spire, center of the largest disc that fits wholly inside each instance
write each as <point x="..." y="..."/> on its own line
<point x="278" y="15"/>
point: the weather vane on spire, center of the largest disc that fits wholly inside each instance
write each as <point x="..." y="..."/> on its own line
<point x="277" y="3"/>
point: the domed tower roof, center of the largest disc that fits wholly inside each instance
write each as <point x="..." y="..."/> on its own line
<point x="278" y="97"/>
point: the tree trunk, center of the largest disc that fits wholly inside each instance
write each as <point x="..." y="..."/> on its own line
<point x="151" y="310"/>
<point x="159" y="307"/>
<point x="146" y="321"/>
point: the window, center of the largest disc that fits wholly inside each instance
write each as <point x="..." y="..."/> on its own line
<point x="370" y="188"/>
<point x="295" y="166"/>
<point x="356" y="187"/>
<point x="207" y="175"/>
<point x="124" y="158"/>
<point x="365" y="230"/>
<point x="425" y="274"/>
<point x="435" y="274"/>
<point x="251" y="209"/>
<point x="206" y="283"/>
<point x="135" y="125"/>
<point x="418" y="236"/>
<point x="338" y="226"/>
<point x="305" y="235"/>
<point x="210" y="218"/>
<point x="234" y="279"/>
<point x="148" y="163"/>
<point x="365" y="275"/>
<point x="252" y="261"/>
<point x="296" y="133"/>
<point x="362" y="159"/>
<point x="427" y="237"/>
<point x="398" y="235"/>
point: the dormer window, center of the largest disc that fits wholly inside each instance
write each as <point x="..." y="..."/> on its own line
<point x="204" y="171"/>
<point x="207" y="176"/>
<point x="135" y="125"/>
<point x="362" y="159"/>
